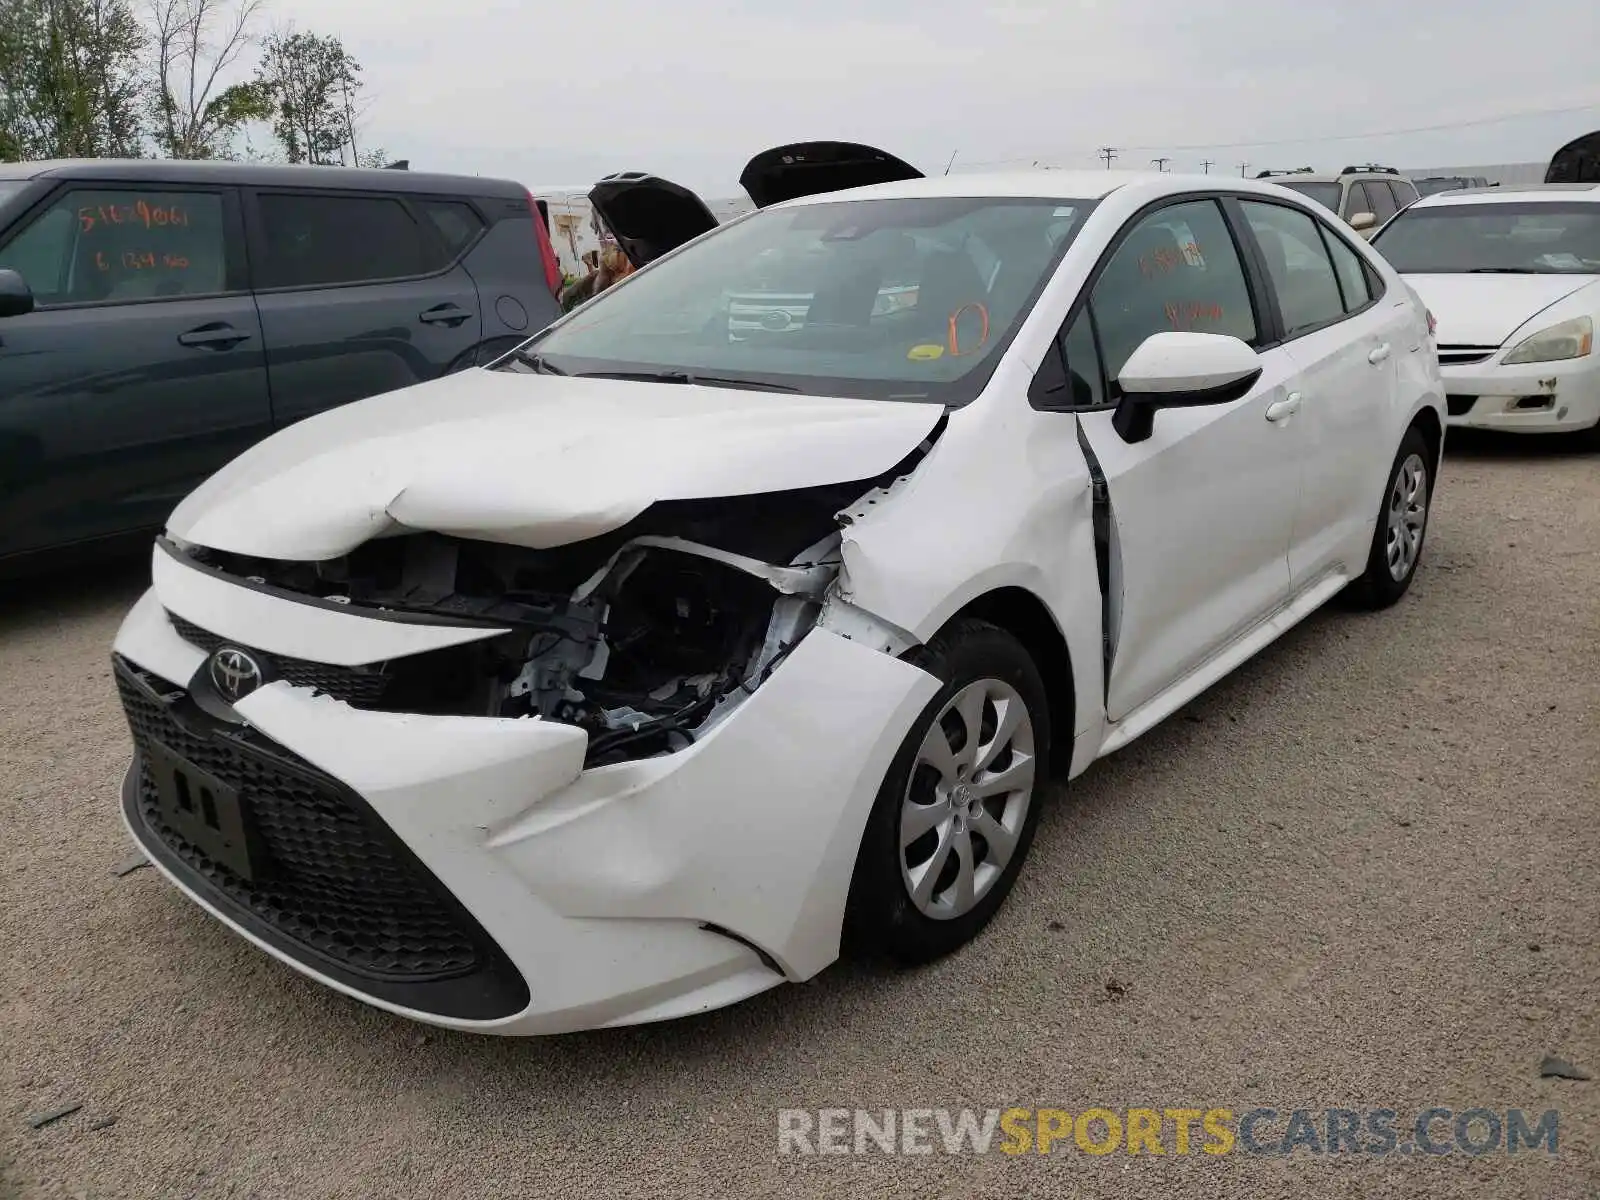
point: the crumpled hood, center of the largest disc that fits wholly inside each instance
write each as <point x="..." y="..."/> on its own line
<point x="1485" y="310"/>
<point x="531" y="460"/>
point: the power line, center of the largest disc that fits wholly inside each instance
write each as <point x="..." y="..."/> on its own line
<point x="1341" y="137"/>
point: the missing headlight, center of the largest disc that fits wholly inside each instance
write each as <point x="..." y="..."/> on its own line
<point x="681" y="633"/>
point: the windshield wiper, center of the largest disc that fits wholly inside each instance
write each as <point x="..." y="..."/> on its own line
<point x="537" y="361"/>
<point x="754" y="385"/>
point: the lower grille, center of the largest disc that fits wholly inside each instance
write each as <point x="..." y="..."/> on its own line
<point x="1459" y="406"/>
<point x="336" y="888"/>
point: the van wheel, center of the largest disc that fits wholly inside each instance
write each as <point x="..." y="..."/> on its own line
<point x="957" y="811"/>
<point x="1401" y="528"/>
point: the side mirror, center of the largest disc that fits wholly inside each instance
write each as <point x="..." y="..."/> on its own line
<point x="1181" y="370"/>
<point x="16" y="298"/>
<point x="1363" y="220"/>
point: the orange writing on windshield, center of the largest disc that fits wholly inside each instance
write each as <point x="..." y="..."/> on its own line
<point x="140" y="213"/>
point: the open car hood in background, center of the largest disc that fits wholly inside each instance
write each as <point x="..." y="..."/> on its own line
<point x="1576" y="162"/>
<point x="811" y="168"/>
<point x="651" y="216"/>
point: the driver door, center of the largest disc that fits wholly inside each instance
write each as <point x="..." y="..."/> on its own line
<point x="1202" y="511"/>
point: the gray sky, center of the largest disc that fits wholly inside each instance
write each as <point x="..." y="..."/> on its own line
<point x="560" y="94"/>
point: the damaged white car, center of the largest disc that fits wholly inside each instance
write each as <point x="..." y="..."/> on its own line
<point x="642" y="671"/>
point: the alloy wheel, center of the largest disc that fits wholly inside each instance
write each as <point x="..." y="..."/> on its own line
<point x="967" y="798"/>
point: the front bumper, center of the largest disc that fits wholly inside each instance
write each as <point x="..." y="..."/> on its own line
<point x="1558" y="397"/>
<point x="481" y="879"/>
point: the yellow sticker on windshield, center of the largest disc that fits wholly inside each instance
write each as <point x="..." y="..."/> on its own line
<point x="925" y="351"/>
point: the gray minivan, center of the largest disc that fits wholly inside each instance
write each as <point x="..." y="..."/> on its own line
<point x="158" y="318"/>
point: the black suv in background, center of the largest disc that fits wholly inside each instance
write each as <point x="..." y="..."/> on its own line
<point x="158" y="318"/>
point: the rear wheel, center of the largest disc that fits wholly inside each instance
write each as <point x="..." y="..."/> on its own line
<point x="956" y="813"/>
<point x="1402" y="526"/>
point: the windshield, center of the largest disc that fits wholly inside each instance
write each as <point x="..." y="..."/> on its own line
<point x="1536" y="238"/>
<point x="1431" y="187"/>
<point x="1325" y="194"/>
<point x="911" y="299"/>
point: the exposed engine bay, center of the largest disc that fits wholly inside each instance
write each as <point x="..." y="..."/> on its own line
<point x="644" y="638"/>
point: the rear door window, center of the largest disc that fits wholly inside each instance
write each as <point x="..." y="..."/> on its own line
<point x="315" y="240"/>
<point x="105" y="245"/>
<point x="1352" y="272"/>
<point x="1404" y="193"/>
<point x="1297" y="261"/>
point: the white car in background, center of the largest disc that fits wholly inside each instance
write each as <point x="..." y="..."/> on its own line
<point x="1512" y="276"/>
<point x="641" y="671"/>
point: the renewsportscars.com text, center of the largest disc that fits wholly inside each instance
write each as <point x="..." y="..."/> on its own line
<point x="1167" y="1131"/>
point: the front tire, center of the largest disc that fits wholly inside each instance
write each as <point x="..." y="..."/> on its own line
<point x="1402" y="526"/>
<point x="957" y="811"/>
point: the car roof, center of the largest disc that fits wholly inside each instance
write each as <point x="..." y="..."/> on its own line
<point x="151" y="170"/>
<point x="1533" y="192"/>
<point x="1046" y="185"/>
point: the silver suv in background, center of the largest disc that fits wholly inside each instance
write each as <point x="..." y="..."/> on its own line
<point x="1364" y="197"/>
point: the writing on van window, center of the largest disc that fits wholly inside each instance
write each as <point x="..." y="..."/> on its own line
<point x="1189" y="314"/>
<point x="140" y="260"/>
<point x="152" y="216"/>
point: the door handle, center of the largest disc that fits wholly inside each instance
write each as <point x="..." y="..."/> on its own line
<point x="1378" y="355"/>
<point x="1282" y="410"/>
<point x="218" y="335"/>
<point x="444" y="314"/>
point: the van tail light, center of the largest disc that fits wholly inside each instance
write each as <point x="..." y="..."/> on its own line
<point x="547" y="250"/>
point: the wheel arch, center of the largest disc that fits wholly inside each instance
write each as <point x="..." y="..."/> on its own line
<point x="1026" y="617"/>
<point x="1428" y="424"/>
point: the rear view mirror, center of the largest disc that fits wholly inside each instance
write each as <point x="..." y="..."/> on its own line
<point x="1363" y="220"/>
<point x="16" y="298"/>
<point x="1181" y="370"/>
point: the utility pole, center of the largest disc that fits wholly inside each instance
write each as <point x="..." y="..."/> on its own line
<point x="1206" y="165"/>
<point x="1160" y="163"/>
<point x="1109" y="153"/>
<point x="1243" y="167"/>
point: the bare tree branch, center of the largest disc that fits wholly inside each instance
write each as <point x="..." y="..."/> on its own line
<point x="197" y="41"/>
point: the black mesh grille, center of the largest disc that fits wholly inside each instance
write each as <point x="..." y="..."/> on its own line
<point x="335" y="880"/>
<point x="364" y="687"/>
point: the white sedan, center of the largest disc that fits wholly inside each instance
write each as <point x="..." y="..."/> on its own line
<point x="1513" y="277"/>
<point x="644" y="670"/>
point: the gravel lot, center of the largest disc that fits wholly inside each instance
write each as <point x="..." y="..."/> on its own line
<point x="1361" y="872"/>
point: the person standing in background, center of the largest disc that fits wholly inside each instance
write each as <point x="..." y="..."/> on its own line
<point x="606" y="266"/>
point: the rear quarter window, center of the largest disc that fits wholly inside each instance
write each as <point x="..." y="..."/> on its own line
<point x="457" y="224"/>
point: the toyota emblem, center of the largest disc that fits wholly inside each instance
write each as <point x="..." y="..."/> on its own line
<point x="234" y="673"/>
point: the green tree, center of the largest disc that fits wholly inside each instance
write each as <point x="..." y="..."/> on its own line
<point x="312" y="82"/>
<point x="72" y="82"/>
<point x="195" y="44"/>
